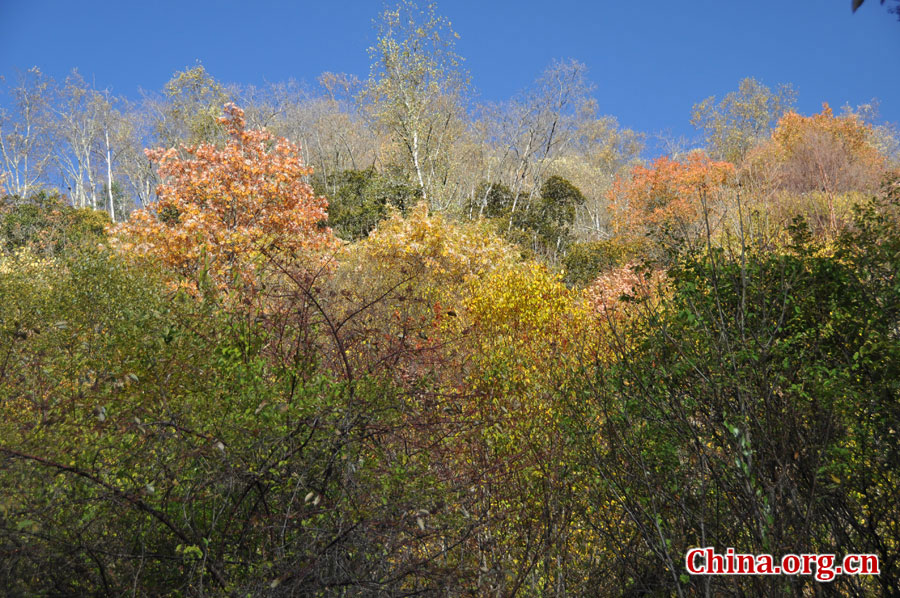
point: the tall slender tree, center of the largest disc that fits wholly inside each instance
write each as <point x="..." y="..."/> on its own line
<point x="27" y="139"/>
<point x="416" y="90"/>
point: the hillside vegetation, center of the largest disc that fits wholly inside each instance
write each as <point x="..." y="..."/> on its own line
<point x="378" y="342"/>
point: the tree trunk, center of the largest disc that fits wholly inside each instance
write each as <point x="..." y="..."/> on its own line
<point x="109" y="189"/>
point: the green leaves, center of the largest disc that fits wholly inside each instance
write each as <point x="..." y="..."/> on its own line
<point x="745" y="413"/>
<point x="435" y="414"/>
<point x="362" y="198"/>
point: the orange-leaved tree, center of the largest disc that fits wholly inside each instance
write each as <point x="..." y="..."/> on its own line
<point x="824" y="152"/>
<point x="818" y="162"/>
<point x="222" y="209"/>
<point x="669" y="194"/>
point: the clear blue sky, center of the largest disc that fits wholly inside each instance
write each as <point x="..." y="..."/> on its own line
<point x="650" y="60"/>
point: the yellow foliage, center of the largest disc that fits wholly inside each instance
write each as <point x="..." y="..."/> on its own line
<point x="528" y="331"/>
<point x="25" y="262"/>
<point x="405" y="285"/>
<point x="429" y="245"/>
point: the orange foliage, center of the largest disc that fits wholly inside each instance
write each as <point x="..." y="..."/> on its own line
<point x="605" y="294"/>
<point x="220" y="209"/>
<point x="670" y="193"/>
<point x="823" y="152"/>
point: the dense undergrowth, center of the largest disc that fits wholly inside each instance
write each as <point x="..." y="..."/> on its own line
<point x="221" y="397"/>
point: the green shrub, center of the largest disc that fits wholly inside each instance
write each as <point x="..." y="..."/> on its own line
<point x="45" y="224"/>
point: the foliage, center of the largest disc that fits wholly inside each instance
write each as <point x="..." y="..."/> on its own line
<point x="491" y="200"/>
<point x="194" y="108"/>
<point x="434" y="415"/>
<point x="524" y="366"/>
<point x="220" y="209"/>
<point x="742" y="119"/>
<point x="44" y="224"/>
<point x="362" y="199"/>
<point x="528" y="334"/>
<point x="424" y="242"/>
<point x="584" y="261"/>
<point x="733" y="408"/>
<point x="611" y="294"/>
<point x="404" y="282"/>
<point x="548" y="220"/>
<point x="823" y="152"/>
<point x="153" y="444"/>
<point x="670" y="198"/>
<point x="541" y="225"/>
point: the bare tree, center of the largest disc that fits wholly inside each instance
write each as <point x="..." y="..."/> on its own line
<point x="599" y="152"/>
<point x="77" y="109"/>
<point x="135" y="132"/>
<point x="27" y="143"/>
<point x="524" y="136"/>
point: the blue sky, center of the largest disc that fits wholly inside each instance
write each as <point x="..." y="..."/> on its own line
<point x="650" y="60"/>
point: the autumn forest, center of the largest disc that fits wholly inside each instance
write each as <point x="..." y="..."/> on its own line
<point x="374" y="337"/>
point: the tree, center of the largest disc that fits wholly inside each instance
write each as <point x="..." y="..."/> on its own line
<point x="93" y="135"/>
<point x="491" y="200"/>
<point x="855" y="4"/>
<point x="600" y="151"/>
<point x="541" y="224"/>
<point x="415" y="89"/>
<point x="754" y="406"/>
<point x="537" y="126"/>
<point x="885" y="136"/>
<point x="44" y="225"/>
<point x="742" y="119"/>
<point x="546" y="222"/>
<point x="670" y="197"/>
<point x="326" y="122"/>
<point x="826" y="153"/>
<point x="191" y="110"/>
<point x="137" y="130"/>
<point x="118" y="204"/>
<point x="218" y="209"/>
<point x="362" y="199"/>
<point x="818" y="161"/>
<point x="585" y="261"/>
<point x="27" y="140"/>
<point x="77" y="109"/>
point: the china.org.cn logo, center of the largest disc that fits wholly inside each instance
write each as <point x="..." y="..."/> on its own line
<point x="825" y="567"/>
